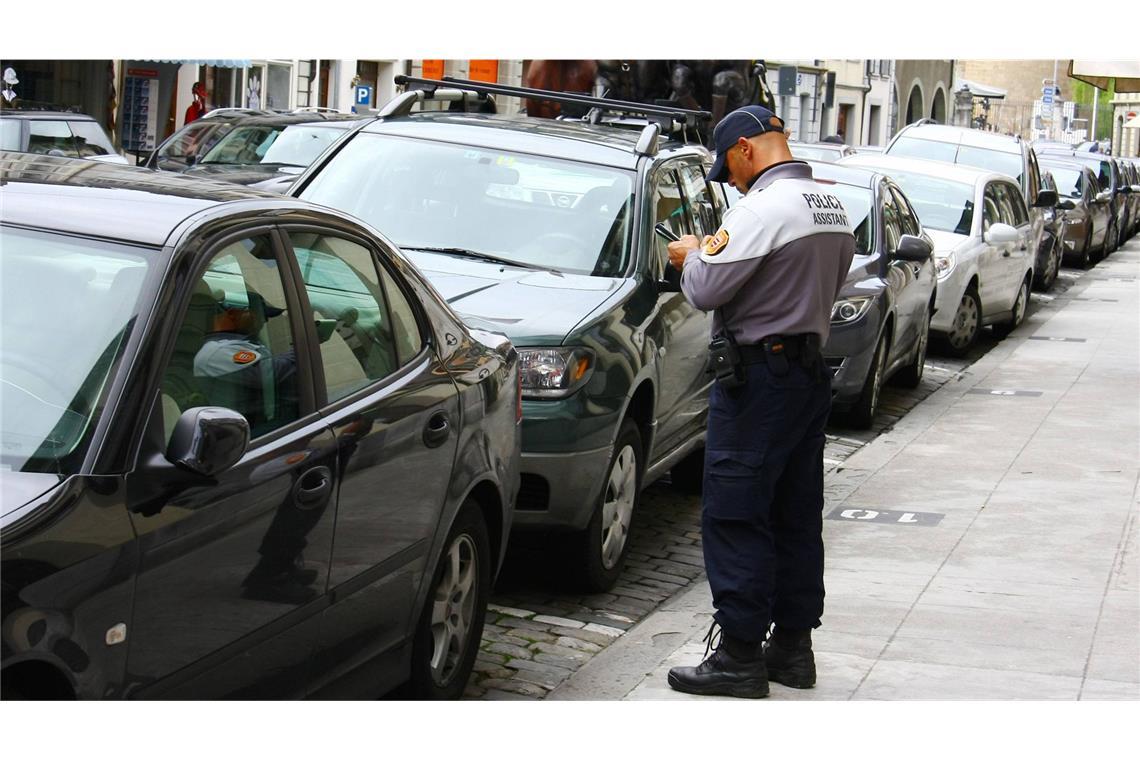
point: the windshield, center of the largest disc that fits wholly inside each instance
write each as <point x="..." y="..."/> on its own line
<point x="857" y="202"/>
<point x="244" y="145"/>
<point x="814" y="154"/>
<point x="300" y="145"/>
<point x="67" y="307"/>
<point x="932" y="150"/>
<point x="538" y="211"/>
<point x="1008" y="164"/>
<point x="1070" y="182"/>
<point x="940" y="204"/>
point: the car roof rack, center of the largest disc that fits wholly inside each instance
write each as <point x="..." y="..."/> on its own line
<point x="601" y="110"/>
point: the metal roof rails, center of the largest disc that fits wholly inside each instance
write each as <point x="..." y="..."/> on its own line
<point x="450" y="88"/>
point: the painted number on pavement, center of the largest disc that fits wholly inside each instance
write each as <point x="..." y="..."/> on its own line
<point x="892" y="517"/>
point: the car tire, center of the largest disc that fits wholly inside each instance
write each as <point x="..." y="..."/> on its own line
<point x="1111" y="240"/>
<point x="688" y="475"/>
<point x="862" y="412"/>
<point x="1085" y="260"/>
<point x="1020" y="307"/>
<point x="910" y="376"/>
<point x="598" y="553"/>
<point x="451" y="625"/>
<point x="1044" y="281"/>
<point x="967" y="324"/>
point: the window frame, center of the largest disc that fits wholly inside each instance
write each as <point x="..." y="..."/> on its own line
<point x="322" y="403"/>
<point x="668" y="167"/>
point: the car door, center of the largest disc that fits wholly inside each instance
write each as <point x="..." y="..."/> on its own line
<point x="993" y="269"/>
<point x="233" y="573"/>
<point x="676" y="325"/>
<point x="395" y="414"/>
<point x="1022" y="254"/>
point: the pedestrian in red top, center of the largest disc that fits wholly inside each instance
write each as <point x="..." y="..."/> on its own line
<point x="197" y="109"/>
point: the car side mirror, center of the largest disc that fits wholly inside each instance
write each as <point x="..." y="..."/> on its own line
<point x="912" y="248"/>
<point x="1104" y="196"/>
<point x="208" y="440"/>
<point x="1066" y="205"/>
<point x="1127" y="189"/>
<point x="1046" y="199"/>
<point x="999" y="234"/>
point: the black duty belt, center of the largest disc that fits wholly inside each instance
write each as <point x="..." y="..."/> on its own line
<point x="794" y="347"/>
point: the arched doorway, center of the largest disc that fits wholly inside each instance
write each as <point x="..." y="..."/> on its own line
<point x="914" y="105"/>
<point x="938" y="109"/>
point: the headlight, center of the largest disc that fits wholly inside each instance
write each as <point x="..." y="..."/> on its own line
<point x="944" y="265"/>
<point x="554" y="372"/>
<point x="848" y="310"/>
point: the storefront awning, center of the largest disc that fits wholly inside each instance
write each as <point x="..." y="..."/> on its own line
<point x="980" y="90"/>
<point x="225" y="63"/>
<point x="1098" y="73"/>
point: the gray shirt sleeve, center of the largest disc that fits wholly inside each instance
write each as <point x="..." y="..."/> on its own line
<point x="708" y="286"/>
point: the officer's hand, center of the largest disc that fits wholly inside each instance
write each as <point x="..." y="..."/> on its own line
<point x="679" y="249"/>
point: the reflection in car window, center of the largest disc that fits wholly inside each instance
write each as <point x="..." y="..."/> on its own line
<point x="541" y="211"/>
<point x="90" y="139"/>
<point x="1008" y="164"/>
<point x="908" y="219"/>
<point x="857" y="202"/>
<point x="234" y="347"/>
<point x="299" y="145"/>
<point x="697" y="196"/>
<point x="353" y="324"/>
<point x="1011" y="205"/>
<point x="195" y="139"/>
<point x="892" y="224"/>
<point x="991" y="213"/>
<point x="941" y="204"/>
<point x="669" y="210"/>
<point x="243" y="145"/>
<point x="52" y="138"/>
<point x="67" y="306"/>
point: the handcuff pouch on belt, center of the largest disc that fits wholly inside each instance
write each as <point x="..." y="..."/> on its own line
<point x="725" y="362"/>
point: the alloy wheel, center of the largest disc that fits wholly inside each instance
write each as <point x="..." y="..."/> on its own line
<point x="453" y="608"/>
<point x="617" y="509"/>
<point x="1021" y="304"/>
<point x="965" y="322"/>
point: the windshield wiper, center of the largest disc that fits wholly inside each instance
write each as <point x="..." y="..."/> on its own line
<point x="478" y="256"/>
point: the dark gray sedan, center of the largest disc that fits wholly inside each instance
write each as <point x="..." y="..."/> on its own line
<point x="880" y="323"/>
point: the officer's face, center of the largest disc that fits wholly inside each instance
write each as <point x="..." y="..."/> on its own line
<point x="739" y="166"/>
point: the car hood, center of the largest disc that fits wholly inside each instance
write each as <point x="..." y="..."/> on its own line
<point x="243" y="174"/>
<point x="19" y="488"/>
<point x="944" y="242"/>
<point x="532" y="307"/>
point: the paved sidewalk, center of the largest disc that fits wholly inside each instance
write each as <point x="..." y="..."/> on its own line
<point x="985" y="547"/>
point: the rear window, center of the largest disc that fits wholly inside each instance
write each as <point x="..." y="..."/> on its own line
<point x="1070" y="182"/>
<point x="1009" y="164"/>
<point x="932" y="150"/>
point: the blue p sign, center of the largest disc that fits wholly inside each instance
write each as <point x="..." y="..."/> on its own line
<point x="363" y="95"/>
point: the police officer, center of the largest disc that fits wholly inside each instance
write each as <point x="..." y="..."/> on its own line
<point x="772" y="273"/>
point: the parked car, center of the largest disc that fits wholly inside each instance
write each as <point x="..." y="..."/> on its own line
<point x="990" y="151"/>
<point x="1108" y="175"/>
<point x="1085" y="210"/>
<point x="545" y="229"/>
<point x="1132" y="177"/>
<point x="56" y="133"/>
<point x="269" y="153"/>
<point x="820" y="151"/>
<point x="1052" y="233"/>
<point x="983" y="260"/>
<point x="272" y="463"/>
<point x="880" y="324"/>
<point x="869" y="149"/>
<point x="189" y="143"/>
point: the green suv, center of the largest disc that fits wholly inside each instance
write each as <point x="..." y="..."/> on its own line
<point x="545" y="230"/>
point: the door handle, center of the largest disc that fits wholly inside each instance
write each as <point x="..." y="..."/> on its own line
<point x="437" y="430"/>
<point x="313" y="487"/>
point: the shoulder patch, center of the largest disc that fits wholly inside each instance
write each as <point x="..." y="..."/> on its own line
<point x="244" y="357"/>
<point x="717" y="243"/>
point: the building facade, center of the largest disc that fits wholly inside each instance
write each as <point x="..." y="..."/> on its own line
<point x="923" y="91"/>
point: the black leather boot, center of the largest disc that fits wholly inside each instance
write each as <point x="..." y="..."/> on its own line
<point x="734" y="669"/>
<point x="788" y="656"/>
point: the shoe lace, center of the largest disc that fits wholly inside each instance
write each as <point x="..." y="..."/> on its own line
<point x="713" y="638"/>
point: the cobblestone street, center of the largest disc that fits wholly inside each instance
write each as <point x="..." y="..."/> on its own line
<point x="536" y="635"/>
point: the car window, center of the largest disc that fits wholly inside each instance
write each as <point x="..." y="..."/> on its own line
<point x="991" y="212"/>
<point x="702" y="214"/>
<point x="940" y="204"/>
<point x="892" y="224"/>
<point x="669" y="210"/>
<point x="409" y="339"/>
<point x="10" y="134"/>
<point x="1035" y="183"/>
<point x="908" y="219"/>
<point x="299" y="145"/>
<point x="67" y="306"/>
<point x="90" y="139"/>
<point x="243" y="145"/>
<point x="1011" y="205"/>
<point x="928" y="149"/>
<point x="354" y="326"/>
<point x="192" y="140"/>
<point x="234" y="346"/>
<point x="1009" y="164"/>
<point x="857" y="203"/>
<point x="52" y="138"/>
<point x="536" y="210"/>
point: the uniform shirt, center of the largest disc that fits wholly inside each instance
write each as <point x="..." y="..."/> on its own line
<point x="226" y="354"/>
<point x="777" y="262"/>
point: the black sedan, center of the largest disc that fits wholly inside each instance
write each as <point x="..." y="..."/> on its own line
<point x="247" y="451"/>
<point x="880" y="324"/>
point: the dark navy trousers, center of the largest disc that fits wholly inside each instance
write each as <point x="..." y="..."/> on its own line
<point x="762" y="521"/>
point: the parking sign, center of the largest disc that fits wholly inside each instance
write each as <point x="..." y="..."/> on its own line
<point x="363" y="95"/>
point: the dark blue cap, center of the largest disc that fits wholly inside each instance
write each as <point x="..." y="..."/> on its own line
<point x="748" y="121"/>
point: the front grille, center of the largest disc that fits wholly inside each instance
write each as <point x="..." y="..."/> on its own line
<point x="534" y="494"/>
